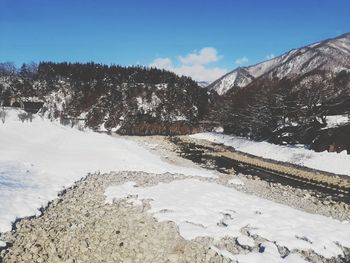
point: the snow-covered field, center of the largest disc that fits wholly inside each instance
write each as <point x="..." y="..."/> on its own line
<point x="39" y="158"/>
<point x="324" y="161"/>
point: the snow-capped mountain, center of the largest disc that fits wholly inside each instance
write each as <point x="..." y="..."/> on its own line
<point x="332" y="55"/>
<point x="203" y="84"/>
<point x="302" y="96"/>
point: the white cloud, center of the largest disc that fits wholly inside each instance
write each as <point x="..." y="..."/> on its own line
<point x="200" y="73"/>
<point x="204" y="56"/>
<point x="194" y="65"/>
<point x="242" y="60"/>
<point x="162" y="63"/>
<point x="270" y="56"/>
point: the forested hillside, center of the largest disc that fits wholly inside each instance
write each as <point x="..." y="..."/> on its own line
<point x="132" y="100"/>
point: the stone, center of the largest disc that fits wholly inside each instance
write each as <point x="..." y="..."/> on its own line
<point x="173" y="258"/>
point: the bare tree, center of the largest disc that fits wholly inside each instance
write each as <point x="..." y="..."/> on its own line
<point x="7" y="69"/>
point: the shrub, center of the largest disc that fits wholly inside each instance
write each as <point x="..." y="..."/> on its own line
<point x="25" y="116"/>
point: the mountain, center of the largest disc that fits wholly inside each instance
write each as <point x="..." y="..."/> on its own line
<point x="332" y="55"/>
<point x="130" y="100"/>
<point x="203" y="84"/>
<point x="302" y="97"/>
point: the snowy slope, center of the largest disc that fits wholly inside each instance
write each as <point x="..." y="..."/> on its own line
<point x="324" y="161"/>
<point x="331" y="55"/>
<point x="39" y="158"/>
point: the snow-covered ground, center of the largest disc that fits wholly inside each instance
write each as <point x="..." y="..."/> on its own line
<point x="209" y="209"/>
<point x="324" y="161"/>
<point x="39" y="158"/>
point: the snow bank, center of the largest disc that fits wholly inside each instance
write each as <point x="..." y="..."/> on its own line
<point x="324" y="161"/>
<point x="208" y="209"/>
<point x="39" y="158"/>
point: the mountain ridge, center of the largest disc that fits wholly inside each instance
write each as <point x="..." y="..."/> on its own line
<point x="331" y="51"/>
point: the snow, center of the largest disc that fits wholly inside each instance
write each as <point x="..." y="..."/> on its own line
<point x="324" y="161"/>
<point x="203" y="84"/>
<point x="245" y="241"/>
<point x="161" y="86"/>
<point x="145" y="106"/>
<point x="218" y="129"/>
<point x="261" y="68"/>
<point x="201" y="208"/>
<point x="178" y="118"/>
<point x="337" y="120"/>
<point x="342" y="45"/>
<point x="39" y="158"/>
<point x="270" y="255"/>
<point x="225" y="83"/>
<point x="2" y="243"/>
<point x="223" y="253"/>
<point x="58" y="98"/>
<point x="235" y="181"/>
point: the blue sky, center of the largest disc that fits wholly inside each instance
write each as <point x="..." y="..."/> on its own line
<point x="200" y="38"/>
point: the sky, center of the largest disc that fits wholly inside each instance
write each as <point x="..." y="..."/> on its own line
<point x="199" y="38"/>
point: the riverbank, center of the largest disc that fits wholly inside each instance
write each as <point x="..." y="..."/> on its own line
<point x="301" y="198"/>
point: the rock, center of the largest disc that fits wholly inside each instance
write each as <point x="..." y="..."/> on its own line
<point x="128" y="260"/>
<point x="307" y="196"/>
<point x="212" y="253"/>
